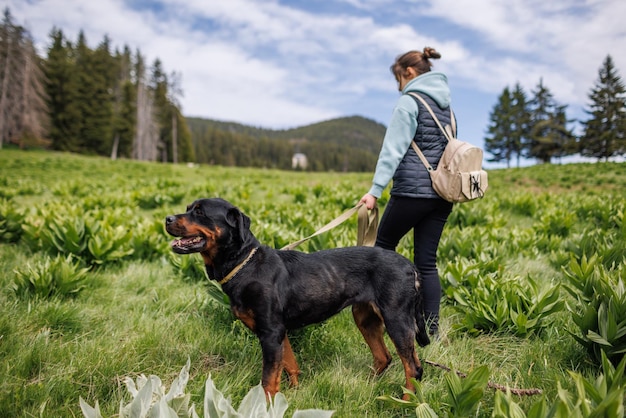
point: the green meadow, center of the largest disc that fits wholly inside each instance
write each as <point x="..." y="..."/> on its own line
<point x="90" y="292"/>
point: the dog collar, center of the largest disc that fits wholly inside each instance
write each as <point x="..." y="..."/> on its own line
<point x="234" y="271"/>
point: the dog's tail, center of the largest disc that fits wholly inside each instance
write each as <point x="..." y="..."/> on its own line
<point x="421" y="333"/>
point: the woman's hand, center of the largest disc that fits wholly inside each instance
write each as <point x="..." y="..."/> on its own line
<point x="369" y="201"/>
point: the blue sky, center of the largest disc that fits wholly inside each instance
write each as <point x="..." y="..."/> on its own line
<point x="287" y="63"/>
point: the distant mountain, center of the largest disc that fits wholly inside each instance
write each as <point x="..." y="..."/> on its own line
<point x="343" y="144"/>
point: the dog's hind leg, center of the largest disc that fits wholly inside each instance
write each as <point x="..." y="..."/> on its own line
<point x="402" y="333"/>
<point x="372" y="327"/>
<point x="289" y="363"/>
<point x="420" y="325"/>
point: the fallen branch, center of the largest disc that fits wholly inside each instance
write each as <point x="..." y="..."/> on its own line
<point x="519" y="392"/>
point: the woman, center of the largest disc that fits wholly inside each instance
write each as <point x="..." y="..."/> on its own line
<point x="414" y="204"/>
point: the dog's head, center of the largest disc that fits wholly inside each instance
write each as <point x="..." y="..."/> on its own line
<point x="207" y="226"/>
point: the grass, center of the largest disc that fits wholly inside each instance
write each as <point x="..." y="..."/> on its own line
<point x="139" y="316"/>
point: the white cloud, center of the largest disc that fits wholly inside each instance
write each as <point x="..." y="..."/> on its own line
<point x="563" y="41"/>
<point x="271" y="64"/>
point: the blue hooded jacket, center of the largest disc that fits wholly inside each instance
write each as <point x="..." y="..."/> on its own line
<point x="401" y="131"/>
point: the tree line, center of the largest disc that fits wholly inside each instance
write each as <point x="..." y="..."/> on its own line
<point x="537" y="126"/>
<point x="343" y="144"/>
<point x="112" y="103"/>
<point x="90" y="101"/>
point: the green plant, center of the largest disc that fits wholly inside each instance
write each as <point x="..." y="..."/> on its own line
<point x="51" y="277"/>
<point x="459" y="272"/>
<point x="217" y="294"/>
<point x="476" y="214"/>
<point x="557" y="222"/>
<point x="157" y="199"/>
<point x="65" y="233"/>
<point x="151" y="400"/>
<point x="108" y="243"/>
<point x="189" y="268"/>
<point x="149" y="240"/>
<point x="498" y="304"/>
<point x="465" y="242"/>
<point x="599" y="310"/>
<point x="415" y="400"/>
<point x="464" y="395"/>
<point x="505" y="407"/>
<point x="608" y="245"/>
<point x="10" y="222"/>
<point x="603" y="396"/>
<point x="96" y="237"/>
<point x="600" y="397"/>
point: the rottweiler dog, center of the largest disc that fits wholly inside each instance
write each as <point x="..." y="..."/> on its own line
<point x="273" y="291"/>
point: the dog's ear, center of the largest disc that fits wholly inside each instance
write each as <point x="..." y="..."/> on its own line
<point x="240" y="222"/>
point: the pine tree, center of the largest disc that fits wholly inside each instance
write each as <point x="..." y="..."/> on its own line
<point x="508" y="127"/>
<point x="498" y="141"/>
<point x="124" y="106"/>
<point x="104" y="66"/>
<point x="62" y="93"/>
<point x="521" y="120"/>
<point x="95" y="71"/>
<point x="605" y="131"/>
<point x="548" y="132"/>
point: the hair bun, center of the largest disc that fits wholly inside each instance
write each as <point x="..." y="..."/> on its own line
<point x="431" y="53"/>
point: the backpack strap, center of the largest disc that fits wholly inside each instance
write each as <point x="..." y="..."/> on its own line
<point x="449" y="134"/>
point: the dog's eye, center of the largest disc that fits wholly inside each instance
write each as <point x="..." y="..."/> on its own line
<point x="198" y="211"/>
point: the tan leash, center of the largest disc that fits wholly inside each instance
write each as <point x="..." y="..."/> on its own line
<point x="367" y="226"/>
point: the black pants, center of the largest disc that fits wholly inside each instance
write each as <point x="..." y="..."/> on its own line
<point x="427" y="218"/>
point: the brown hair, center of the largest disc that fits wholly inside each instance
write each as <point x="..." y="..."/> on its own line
<point x="419" y="61"/>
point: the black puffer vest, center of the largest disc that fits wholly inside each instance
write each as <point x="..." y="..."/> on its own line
<point x="411" y="178"/>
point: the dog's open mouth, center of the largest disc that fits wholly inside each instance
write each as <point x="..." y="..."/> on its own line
<point x="188" y="245"/>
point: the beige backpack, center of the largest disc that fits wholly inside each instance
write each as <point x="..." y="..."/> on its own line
<point x="459" y="177"/>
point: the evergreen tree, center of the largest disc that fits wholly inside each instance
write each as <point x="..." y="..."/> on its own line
<point x="509" y="126"/>
<point x="605" y="131"/>
<point x="521" y="120"/>
<point x="94" y="69"/>
<point x="181" y="137"/>
<point x="498" y="142"/>
<point x="561" y="135"/>
<point x="547" y="126"/>
<point x="124" y="106"/>
<point x="62" y="93"/>
<point x="180" y="141"/>
<point x="104" y="67"/>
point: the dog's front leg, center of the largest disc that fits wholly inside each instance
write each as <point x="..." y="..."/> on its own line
<point x="272" y="345"/>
